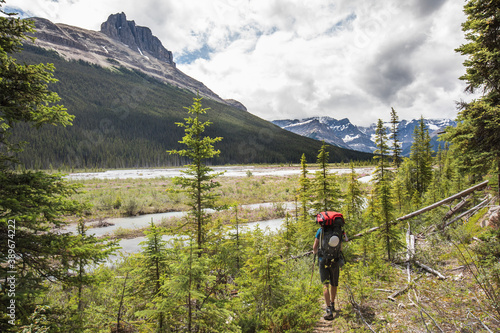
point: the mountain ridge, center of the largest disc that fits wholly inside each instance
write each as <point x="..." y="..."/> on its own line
<point x="108" y="48"/>
<point x="125" y="117"/>
<point x="342" y="133"/>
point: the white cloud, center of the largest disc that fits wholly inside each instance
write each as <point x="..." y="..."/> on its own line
<point x="292" y="59"/>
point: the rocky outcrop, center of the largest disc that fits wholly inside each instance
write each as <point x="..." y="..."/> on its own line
<point x="491" y="218"/>
<point x="48" y="31"/>
<point x="236" y="104"/>
<point x="120" y="43"/>
<point x="139" y="39"/>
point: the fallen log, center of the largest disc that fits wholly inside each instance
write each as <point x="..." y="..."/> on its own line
<point x="442" y="202"/>
<point x="397" y="293"/>
<point x="425" y="209"/>
<point x="455" y="209"/>
<point x="473" y="209"/>
<point x="410" y="248"/>
<point x="430" y="270"/>
<point x="401" y="291"/>
<point x="300" y="255"/>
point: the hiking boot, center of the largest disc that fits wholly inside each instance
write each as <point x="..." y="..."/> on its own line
<point x="329" y="314"/>
<point x="332" y="307"/>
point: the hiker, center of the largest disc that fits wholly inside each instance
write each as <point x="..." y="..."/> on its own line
<point x="329" y="271"/>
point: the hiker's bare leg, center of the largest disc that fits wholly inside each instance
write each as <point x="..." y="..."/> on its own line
<point x="326" y="294"/>
<point x="333" y="294"/>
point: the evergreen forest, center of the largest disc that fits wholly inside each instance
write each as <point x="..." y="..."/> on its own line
<point x="423" y="247"/>
<point x="125" y="119"/>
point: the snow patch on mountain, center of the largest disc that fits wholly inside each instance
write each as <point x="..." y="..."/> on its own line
<point x="349" y="138"/>
<point x="343" y="133"/>
<point x="299" y="124"/>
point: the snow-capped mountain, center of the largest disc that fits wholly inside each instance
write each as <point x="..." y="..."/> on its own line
<point x="343" y="133"/>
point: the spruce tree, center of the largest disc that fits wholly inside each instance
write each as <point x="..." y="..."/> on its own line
<point x="85" y="251"/>
<point x="152" y="268"/>
<point x="402" y="187"/>
<point x="325" y="190"/>
<point x="353" y="198"/>
<point x="235" y="242"/>
<point x="304" y="183"/>
<point x="306" y="225"/>
<point x="32" y="245"/>
<point x="421" y="156"/>
<point x="382" y="151"/>
<point x="198" y="182"/>
<point x="396" y="144"/>
<point x="384" y="201"/>
<point x="196" y="281"/>
<point x="476" y="138"/>
<point x="262" y="285"/>
<point x="370" y="218"/>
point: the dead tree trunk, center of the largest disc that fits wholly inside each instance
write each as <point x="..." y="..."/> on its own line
<point x="473" y="209"/>
<point x="426" y="209"/>
<point x="455" y="209"/>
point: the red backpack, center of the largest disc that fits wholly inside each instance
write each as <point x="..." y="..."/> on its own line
<point x="330" y="241"/>
<point x="330" y="218"/>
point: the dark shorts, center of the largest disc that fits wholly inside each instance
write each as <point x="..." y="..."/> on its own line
<point x="329" y="274"/>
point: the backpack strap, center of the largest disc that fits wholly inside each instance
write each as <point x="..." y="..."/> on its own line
<point x="321" y="240"/>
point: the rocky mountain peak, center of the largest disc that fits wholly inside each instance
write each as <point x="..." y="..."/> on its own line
<point x="343" y="133"/>
<point x="138" y="38"/>
<point x="120" y="43"/>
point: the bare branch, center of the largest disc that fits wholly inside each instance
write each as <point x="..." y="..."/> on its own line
<point x="470" y="211"/>
<point x="484" y="325"/>
<point x="442" y="202"/>
<point x="430" y="270"/>
<point x="393" y="296"/>
<point x="426" y="209"/>
<point x="357" y="307"/>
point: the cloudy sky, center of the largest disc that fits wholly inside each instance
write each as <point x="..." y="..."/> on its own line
<point x="300" y="58"/>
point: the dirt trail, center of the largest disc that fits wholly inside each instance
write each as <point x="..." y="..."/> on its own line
<point x="323" y="325"/>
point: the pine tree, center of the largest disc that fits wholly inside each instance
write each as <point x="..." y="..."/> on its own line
<point x="401" y="185"/>
<point x="396" y="144"/>
<point x="382" y="152"/>
<point x="384" y="204"/>
<point x="304" y="189"/>
<point x="421" y="156"/>
<point x="306" y="225"/>
<point x="199" y="180"/>
<point x="353" y="198"/>
<point x="33" y="203"/>
<point x="477" y="134"/>
<point x="85" y="251"/>
<point x="153" y="266"/>
<point x="325" y="190"/>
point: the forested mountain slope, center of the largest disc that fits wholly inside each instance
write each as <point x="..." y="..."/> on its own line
<point x="127" y="119"/>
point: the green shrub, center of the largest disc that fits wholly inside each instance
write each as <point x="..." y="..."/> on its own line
<point x="117" y="203"/>
<point x="131" y="207"/>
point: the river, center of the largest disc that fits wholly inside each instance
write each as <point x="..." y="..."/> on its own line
<point x="131" y="245"/>
<point x="135" y="222"/>
<point x="229" y="171"/>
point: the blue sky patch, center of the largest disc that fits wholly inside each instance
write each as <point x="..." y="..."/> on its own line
<point x="341" y="25"/>
<point x="189" y="57"/>
<point x="22" y="14"/>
